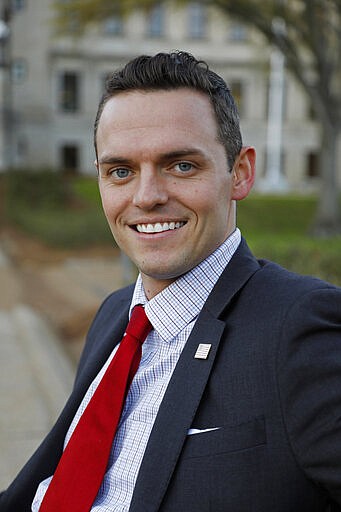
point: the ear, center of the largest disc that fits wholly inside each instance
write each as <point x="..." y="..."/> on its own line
<point x="243" y="173"/>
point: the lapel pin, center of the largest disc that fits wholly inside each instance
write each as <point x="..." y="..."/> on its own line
<point x="202" y="351"/>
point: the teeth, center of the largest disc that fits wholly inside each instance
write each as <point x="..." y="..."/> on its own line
<point x="158" y="227"/>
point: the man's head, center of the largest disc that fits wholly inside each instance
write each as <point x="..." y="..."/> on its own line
<point x="168" y="181"/>
<point x="167" y="71"/>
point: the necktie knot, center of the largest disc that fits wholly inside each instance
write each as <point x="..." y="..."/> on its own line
<point x="139" y="325"/>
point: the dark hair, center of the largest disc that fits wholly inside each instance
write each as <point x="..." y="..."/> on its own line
<point x="167" y="71"/>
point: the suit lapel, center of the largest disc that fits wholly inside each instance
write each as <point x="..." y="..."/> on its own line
<point x="235" y="276"/>
<point x="175" y="416"/>
<point x="186" y="387"/>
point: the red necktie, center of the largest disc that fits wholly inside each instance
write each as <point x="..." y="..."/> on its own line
<point x="81" y="469"/>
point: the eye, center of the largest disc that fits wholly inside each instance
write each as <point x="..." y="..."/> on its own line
<point x="184" y="166"/>
<point x="121" y="173"/>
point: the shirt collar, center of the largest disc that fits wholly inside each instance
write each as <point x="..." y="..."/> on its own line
<point x="176" y="306"/>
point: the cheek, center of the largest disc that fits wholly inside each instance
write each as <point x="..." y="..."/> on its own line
<point x="210" y="202"/>
<point x="106" y="206"/>
<point x="111" y="203"/>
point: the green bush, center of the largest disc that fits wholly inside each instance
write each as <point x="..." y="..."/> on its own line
<point x="64" y="227"/>
<point x="39" y="189"/>
<point x="86" y="188"/>
<point x="276" y="215"/>
<point x="62" y="211"/>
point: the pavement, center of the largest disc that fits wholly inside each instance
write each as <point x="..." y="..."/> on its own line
<point x="35" y="381"/>
<point x="40" y="345"/>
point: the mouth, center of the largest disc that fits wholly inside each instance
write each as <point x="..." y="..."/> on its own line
<point x="158" y="227"/>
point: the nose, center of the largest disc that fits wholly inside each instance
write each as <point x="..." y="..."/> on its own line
<point x="151" y="189"/>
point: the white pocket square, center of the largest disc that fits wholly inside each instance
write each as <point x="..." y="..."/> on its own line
<point x="193" y="431"/>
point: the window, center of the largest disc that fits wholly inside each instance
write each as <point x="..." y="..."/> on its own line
<point x="21" y="148"/>
<point x="197" y="20"/>
<point x="70" y="158"/>
<point x="17" y="5"/>
<point x="237" y="90"/>
<point x="156" y="21"/>
<point x="238" y="32"/>
<point x="19" y="71"/>
<point x="312" y="165"/>
<point x="69" y="92"/>
<point x="113" y="26"/>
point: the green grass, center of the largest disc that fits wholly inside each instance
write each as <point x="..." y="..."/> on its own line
<point x="66" y="212"/>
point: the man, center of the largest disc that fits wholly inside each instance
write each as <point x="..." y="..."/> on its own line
<point x="236" y="404"/>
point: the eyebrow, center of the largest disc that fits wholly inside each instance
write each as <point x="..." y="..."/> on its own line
<point x="107" y="159"/>
<point x="180" y="153"/>
<point x="183" y="153"/>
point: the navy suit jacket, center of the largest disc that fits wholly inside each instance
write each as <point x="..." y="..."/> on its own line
<point x="271" y="383"/>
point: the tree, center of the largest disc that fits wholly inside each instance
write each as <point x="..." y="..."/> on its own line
<point x="308" y="33"/>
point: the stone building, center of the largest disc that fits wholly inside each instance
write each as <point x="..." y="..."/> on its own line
<point x="57" y="83"/>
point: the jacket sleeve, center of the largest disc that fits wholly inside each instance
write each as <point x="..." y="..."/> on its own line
<point x="309" y="379"/>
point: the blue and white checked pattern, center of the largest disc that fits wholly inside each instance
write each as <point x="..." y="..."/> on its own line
<point x="172" y="313"/>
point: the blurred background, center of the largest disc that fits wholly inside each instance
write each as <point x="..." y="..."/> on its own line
<point x="281" y="59"/>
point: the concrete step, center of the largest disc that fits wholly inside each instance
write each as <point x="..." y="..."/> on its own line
<point x="36" y="378"/>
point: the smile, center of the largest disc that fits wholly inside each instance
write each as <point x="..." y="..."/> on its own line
<point x="159" y="227"/>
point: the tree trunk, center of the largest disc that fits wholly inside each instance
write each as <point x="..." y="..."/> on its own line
<point x="328" y="219"/>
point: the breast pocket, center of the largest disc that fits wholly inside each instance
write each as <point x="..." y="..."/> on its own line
<point x="226" y="439"/>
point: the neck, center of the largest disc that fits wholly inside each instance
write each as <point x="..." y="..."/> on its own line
<point x="154" y="286"/>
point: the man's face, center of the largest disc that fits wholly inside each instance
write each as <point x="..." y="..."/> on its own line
<point x="164" y="181"/>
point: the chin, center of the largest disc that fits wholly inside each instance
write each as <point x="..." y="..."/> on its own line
<point x="160" y="269"/>
<point x="165" y="274"/>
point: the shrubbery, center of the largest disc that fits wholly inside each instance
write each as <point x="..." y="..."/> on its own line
<point x="39" y="189"/>
<point x="52" y="207"/>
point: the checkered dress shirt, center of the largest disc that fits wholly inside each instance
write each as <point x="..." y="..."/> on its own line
<point x="172" y="313"/>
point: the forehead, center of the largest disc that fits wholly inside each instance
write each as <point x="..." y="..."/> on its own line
<point x="182" y="111"/>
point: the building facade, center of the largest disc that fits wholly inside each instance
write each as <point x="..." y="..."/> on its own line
<point x="58" y="81"/>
